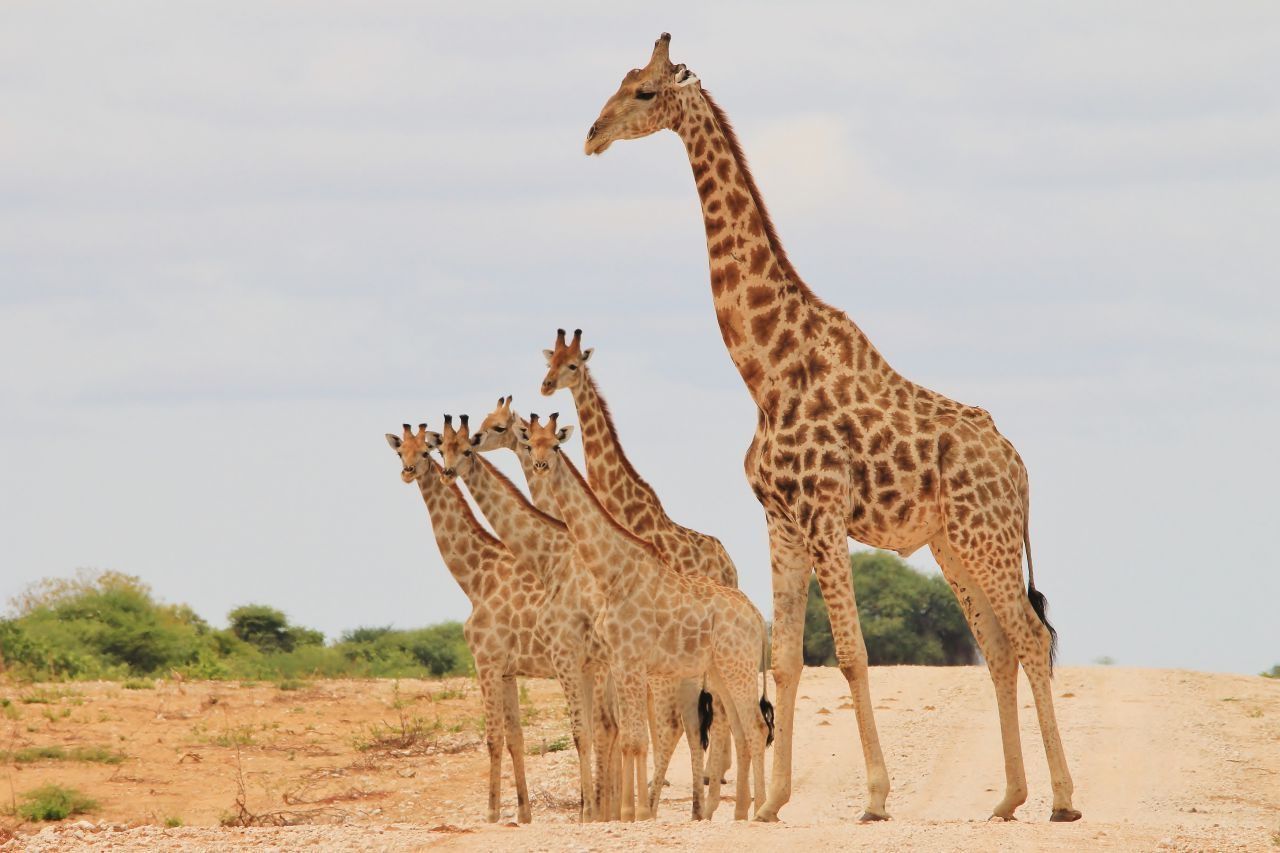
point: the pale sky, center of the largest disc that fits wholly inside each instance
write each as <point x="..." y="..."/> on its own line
<point x="239" y="241"/>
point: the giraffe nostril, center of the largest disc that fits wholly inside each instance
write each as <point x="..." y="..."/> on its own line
<point x="591" y="132"/>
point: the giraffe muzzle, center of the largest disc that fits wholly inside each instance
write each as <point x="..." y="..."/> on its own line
<point x="591" y="132"/>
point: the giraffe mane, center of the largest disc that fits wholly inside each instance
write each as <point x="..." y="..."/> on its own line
<point x="466" y="508"/>
<point x="617" y="525"/>
<point x="506" y="483"/>
<point x="613" y="430"/>
<point x="770" y="233"/>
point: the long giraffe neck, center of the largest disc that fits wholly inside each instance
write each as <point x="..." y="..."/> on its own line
<point x="611" y="475"/>
<point x="520" y="525"/>
<point x="539" y="489"/>
<point x="770" y="321"/>
<point x="595" y="531"/>
<point x="465" y="546"/>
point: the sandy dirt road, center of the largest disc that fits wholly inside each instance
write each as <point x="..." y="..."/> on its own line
<point x="1162" y="760"/>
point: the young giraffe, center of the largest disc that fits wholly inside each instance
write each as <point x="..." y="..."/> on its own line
<point x="632" y="501"/>
<point x="846" y="446"/>
<point x="613" y="478"/>
<point x="541" y="544"/>
<point x="505" y="601"/>
<point x="675" y="702"/>
<point x="657" y="622"/>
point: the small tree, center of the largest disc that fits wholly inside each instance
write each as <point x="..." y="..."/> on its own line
<point x="907" y="617"/>
<point x="269" y="630"/>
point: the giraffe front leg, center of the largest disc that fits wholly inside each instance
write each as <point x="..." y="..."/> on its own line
<point x="632" y="688"/>
<point x="604" y="742"/>
<point x="515" y="746"/>
<point x="576" y="682"/>
<point x="829" y="545"/>
<point x="791" y="571"/>
<point x="494" y="719"/>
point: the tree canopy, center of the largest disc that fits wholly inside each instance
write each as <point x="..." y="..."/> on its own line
<point x="907" y="617"/>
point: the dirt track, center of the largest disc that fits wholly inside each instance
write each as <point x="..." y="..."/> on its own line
<point x="1161" y="759"/>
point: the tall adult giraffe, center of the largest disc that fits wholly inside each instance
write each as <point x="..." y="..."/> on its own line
<point x="505" y="601"/>
<point x="846" y="446"/>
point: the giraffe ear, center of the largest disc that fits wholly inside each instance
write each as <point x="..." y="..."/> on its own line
<point x="394" y="441"/>
<point x="432" y="439"/>
<point x="563" y="435"/>
<point x="586" y="353"/>
<point x="547" y="353"/>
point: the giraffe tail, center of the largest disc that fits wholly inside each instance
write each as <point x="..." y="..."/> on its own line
<point x="766" y="707"/>
<point x="1039" y="603"/>
<point x="706" y="713"/>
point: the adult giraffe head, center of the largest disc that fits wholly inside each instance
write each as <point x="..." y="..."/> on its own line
<point x="455" y="446"/>
<point x="498" y="429"/>
<point x="565" y="363"/>
<point x="645" y="103"/>
<point x="543" y="440"/>
<point x="413" y="451"/>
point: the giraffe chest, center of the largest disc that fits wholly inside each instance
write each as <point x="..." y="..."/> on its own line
<point x="877" y="468"/>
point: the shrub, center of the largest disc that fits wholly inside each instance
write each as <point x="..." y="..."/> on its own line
<point x="54" y="802"/>
<point x="269" y="630"/>
<point x="108" y="625"/>
<point x="907" y="617"/>
<point x="32" y="754"/>
<point x="102" y="625"/>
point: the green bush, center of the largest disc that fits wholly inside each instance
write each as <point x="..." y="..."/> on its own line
<point x="269" y="630"/>
<point x="54" y="802"/>
<point x="907" y="617"/>
<point x="109" y="626"/>
<point x="99" y="626"/>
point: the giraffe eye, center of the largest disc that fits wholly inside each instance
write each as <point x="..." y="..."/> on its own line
<point x="425" y="454"/>
<point x="466" y="453"/>
<point x="499" y="429"/>
<point x="573" y="367"/>
<point x="645" y="96"/>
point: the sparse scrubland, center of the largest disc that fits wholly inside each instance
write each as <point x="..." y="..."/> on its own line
<point x="109" y="626"/>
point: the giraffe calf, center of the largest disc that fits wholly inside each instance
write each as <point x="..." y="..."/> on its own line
<point x="661" y="624"/>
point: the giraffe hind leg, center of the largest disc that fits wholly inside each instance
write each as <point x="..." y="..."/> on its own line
<point x="1002" y="663"/>
<point x="1001" y="581"/>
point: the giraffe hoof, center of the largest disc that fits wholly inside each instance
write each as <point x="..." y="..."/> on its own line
<point x="1003" y="818"/>
<point x="1064" y="815"/>
<point x="767" y="817"/>
<point x="871" y="817"/>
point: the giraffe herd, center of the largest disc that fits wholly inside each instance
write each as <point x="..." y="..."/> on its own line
<point x="640" y="619"/>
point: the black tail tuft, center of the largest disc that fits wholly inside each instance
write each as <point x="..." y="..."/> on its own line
<point x="1041" y="605"/>
<point x="766" y="711"/>
<point x="705" y="714"/>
